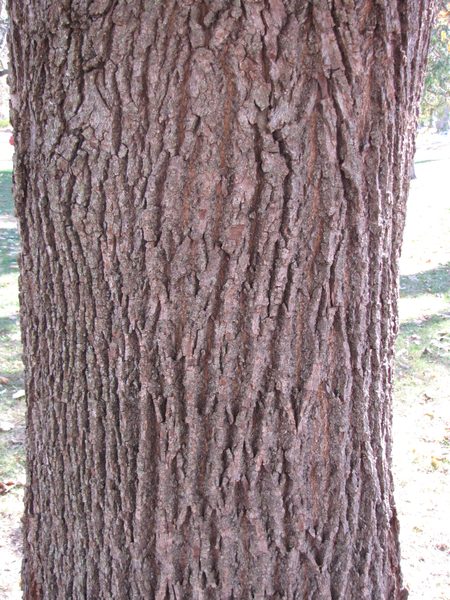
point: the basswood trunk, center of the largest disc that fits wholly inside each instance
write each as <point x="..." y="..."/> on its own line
<point x="211" y="199"/>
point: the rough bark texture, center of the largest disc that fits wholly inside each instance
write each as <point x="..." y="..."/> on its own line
<point x="211" y="198"/>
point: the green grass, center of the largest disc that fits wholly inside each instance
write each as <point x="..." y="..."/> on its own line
<point x="9" y="249"/>
<point x="12" y="458"/>
<point x="423" y="350"/>
<point x="6" y="198"/>
<point x="435" y="281"/>
<point x="423" y="344"/>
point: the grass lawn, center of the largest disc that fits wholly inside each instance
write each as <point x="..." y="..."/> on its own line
<point x="421" y="427"/>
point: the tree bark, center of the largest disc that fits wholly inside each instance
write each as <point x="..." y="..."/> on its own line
<point x="211" y="198"/>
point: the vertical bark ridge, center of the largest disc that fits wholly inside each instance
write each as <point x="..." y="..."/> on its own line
<point x="211" y="200"/>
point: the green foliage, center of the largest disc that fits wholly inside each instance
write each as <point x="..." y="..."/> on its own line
<point x="435" y="107"/>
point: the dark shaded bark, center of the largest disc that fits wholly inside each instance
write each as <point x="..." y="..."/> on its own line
<point x="211" y="199"/>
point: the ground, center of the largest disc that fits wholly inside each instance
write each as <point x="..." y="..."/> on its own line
<point x="421" y="431"/>
<point x="422" y="383"/>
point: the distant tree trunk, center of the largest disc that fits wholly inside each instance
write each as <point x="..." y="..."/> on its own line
<point x="442" y="123"/>
<point x="211" y="199"/>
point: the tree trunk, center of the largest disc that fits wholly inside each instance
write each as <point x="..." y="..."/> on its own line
<point x="211" y="199"/>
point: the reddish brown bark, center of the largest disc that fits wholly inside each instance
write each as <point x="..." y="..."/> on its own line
<point x="211" y="199"/>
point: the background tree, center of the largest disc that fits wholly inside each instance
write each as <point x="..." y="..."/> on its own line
<point x="435" y="107"/>
<point x="211" y="200"/>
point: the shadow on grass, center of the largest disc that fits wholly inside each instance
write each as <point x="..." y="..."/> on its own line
<point x="428" y="160"/>
<point x="9" y="250"/>
<point x="6" y="197"/>
<point x="15" y="383"/>
<point x="426" y="340"/>
<point x="8" y="325"/>
<point x="9" y="237"/>
<point x="435" y="281"/>
<point x="12" y="456"/>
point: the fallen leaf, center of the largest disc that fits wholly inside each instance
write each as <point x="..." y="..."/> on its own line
<point x="4" y="380"/>
<point x="6" y="487"/>
<point x="435" y="462"/>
